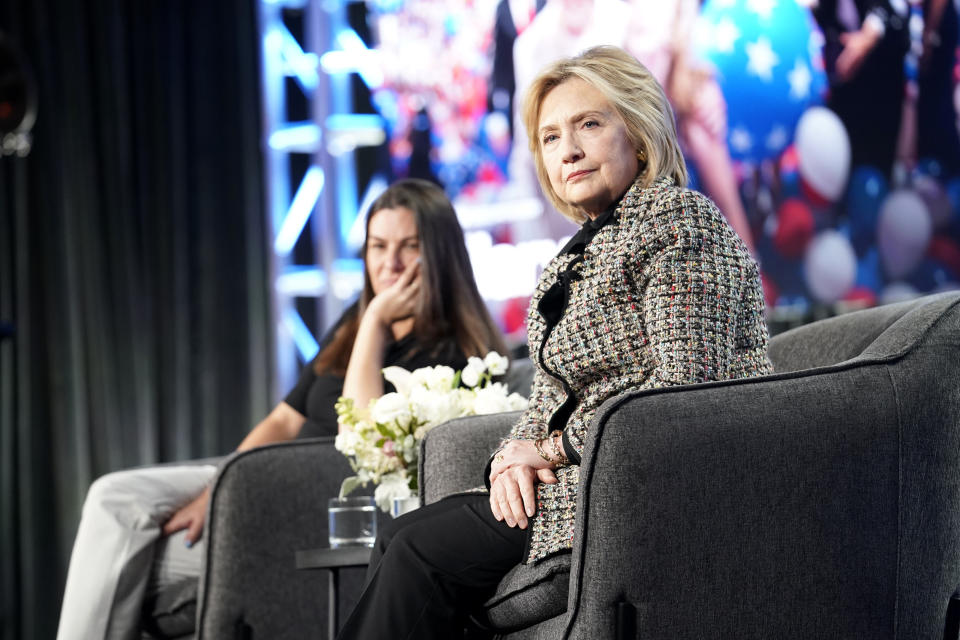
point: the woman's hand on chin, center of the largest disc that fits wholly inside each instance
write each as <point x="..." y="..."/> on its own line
<point x="399" y="300"/>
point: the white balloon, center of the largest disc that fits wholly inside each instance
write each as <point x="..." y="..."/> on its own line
<point x="904" y="229"/>
<point x="823" y="152"/>
<point x="949" y="285"/>
<point x="830" y="266"/>
<point x="937" y="201"/>
<point x="898" y="292"/>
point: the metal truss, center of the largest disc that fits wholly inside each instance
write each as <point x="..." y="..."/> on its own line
<point x="310" y="169"/>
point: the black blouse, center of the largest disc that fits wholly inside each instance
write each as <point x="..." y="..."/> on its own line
<point x="314" y="396"/>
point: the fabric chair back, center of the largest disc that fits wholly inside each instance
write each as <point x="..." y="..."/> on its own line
<point x="848" y="336"/>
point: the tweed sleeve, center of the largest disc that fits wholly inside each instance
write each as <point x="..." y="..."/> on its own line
<point x="545" y="396"/>
<point x="693" y="285"/>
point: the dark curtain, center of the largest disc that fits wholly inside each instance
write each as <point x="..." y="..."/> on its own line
<point x="133" y="265"/>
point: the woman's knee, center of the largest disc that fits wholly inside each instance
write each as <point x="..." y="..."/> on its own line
<point x="114" y="495"/>
<point x="385" y="532"/>
<point x="400" y="547"/>
<point x="108" y="488"/>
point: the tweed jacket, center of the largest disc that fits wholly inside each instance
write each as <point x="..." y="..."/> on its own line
<point x="665" y="293"/>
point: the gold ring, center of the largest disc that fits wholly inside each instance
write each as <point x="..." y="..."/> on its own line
<point x="498" y="458"/>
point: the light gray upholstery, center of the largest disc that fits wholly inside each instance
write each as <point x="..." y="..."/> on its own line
<point x="822" y="501"/>
<point x="453" y="455"/>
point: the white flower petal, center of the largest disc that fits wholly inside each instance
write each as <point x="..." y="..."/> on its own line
<point x="392" y="485"/>
<point x="399" y="377"/>
<point x="496" y="364"/>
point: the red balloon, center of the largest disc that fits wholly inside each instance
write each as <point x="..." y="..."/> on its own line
<point x="863" y="296"/>
<point x="502" y="234"/>
<point x="815" y="197"/>
<point x="795" y="227"/>
<point x="788" y="160"/>
<point x="945" y="251"/>
<point x="515" y="314"/>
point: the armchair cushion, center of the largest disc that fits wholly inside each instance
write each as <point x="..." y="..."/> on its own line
<point x="530" y="594"/>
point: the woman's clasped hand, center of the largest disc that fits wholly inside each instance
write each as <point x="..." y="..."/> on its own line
<point x="515" y="467"/>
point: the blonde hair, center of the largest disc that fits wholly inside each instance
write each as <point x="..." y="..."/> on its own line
<point x="637" y="97"/>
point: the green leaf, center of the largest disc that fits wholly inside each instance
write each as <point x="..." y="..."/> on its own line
<point x="349" y="486"/>
<point x="456" y="380"/>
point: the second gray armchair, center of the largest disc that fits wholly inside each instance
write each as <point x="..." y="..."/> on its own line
<point x="819" y="502"/>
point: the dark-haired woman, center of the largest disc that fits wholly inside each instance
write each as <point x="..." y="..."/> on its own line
<point x="419" y="307"/>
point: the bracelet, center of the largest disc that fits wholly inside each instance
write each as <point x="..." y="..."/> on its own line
<point x="539" y="445"/>
<point x="557" y="449"/>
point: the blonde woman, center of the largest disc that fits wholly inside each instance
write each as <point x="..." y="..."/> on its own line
<point x="656" y="289"/>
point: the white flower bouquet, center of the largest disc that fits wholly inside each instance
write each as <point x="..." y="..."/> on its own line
<point x="382" y="441"/>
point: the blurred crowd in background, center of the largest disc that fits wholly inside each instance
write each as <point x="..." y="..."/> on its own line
<point x="825" y="131"/>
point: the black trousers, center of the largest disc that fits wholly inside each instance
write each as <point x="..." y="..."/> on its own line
<point x="431" y="567"/>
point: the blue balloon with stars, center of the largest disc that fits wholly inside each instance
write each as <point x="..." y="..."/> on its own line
<point x="767" y="55"/>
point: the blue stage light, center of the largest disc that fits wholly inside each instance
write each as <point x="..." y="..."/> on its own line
<point x="302" y="281"/>
<point x="307" y="345"/>
<point x="300" y="209"/>
<point x="302" y="137"/>
<point x="354" y="57"/>
<point x="353" y="233"/>
<point x="300" y="65"/>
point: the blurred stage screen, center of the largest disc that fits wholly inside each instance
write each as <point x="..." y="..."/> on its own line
<point x="840" y="210"/>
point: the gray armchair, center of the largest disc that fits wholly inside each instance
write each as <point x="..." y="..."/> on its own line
<point x="266" y="504"/>
<point x="822" y="501"/>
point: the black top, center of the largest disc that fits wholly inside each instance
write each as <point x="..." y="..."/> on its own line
<point x="553" y="305"/>
<point x="315" y="396"/>
<point x="889" y="51"/>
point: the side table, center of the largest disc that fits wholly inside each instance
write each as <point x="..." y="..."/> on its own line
<point x="333" y="560"/>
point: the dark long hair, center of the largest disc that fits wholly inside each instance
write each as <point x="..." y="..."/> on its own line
<point x="450" y="305"/>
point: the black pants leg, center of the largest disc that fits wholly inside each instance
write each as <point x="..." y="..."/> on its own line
<point x="430" y="568"/>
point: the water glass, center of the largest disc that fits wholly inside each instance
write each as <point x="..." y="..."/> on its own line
<point x="401" y="506"/>
<point x="353" y="521"/>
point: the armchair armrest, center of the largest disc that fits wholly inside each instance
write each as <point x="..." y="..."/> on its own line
<point x="266" y="504"/>
<point x="756" y="508"/>
<point x="454" y="454"/>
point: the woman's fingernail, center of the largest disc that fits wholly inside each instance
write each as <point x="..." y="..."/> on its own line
<point x="188" y="542"/>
